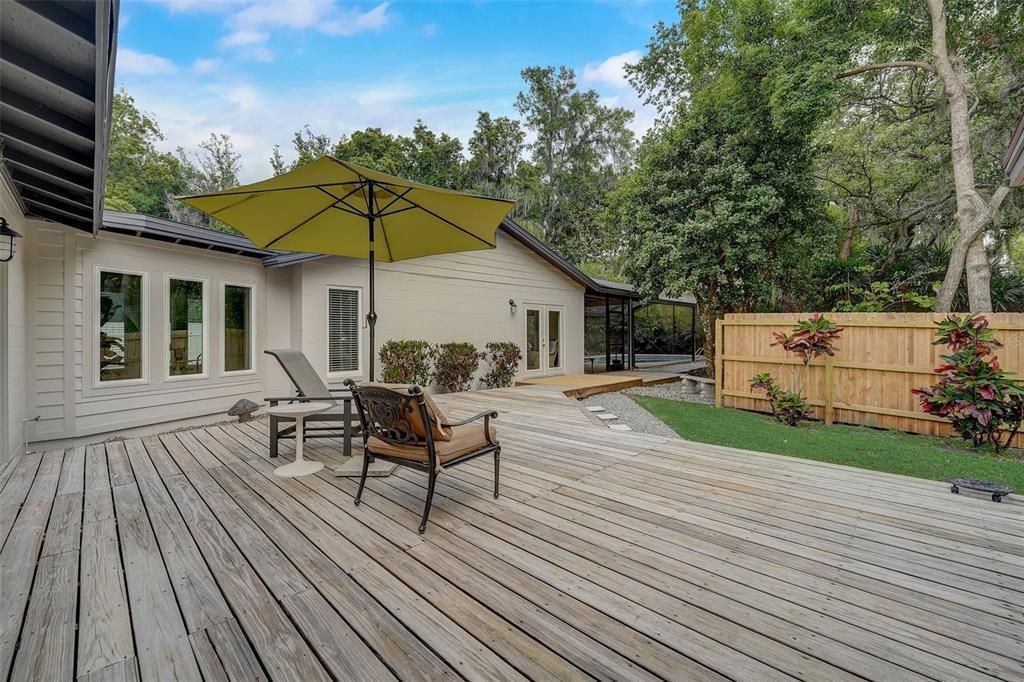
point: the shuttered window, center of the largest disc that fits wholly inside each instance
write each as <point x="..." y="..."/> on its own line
<point x="343" y="330"/>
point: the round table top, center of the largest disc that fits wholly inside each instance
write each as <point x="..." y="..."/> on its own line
<point x="298" y="409"/>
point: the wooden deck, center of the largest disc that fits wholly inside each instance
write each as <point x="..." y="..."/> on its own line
<point x="610" y="555"/>
<point x="586" y="385"/>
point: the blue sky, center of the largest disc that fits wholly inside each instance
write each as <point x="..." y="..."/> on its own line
<point x="260" y="70"/>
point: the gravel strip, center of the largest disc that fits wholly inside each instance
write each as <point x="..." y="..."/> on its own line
<point x="630" y="413"/>
<point x="672" y="392"/>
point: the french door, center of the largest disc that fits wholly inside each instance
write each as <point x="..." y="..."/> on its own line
<point x="544" y="339"/>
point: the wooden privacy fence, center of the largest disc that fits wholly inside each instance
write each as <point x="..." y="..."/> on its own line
<point x="881" y="357"/>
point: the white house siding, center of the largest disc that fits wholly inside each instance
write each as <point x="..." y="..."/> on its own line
<point x="62" y="366"/>
<point x="456" y="297"/>
<point x="452" y="297"/>
<point x="13" y="285"/>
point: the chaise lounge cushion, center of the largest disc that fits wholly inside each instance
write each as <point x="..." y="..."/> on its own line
<point x="464" y="439"/>
<point x="438" y="427"/>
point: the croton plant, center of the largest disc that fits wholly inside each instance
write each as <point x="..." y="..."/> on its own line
<point x="978" y="398"/>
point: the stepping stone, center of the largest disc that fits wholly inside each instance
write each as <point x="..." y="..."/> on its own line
<point x="606" y="416"/>
<point x="619" y="427"/>
<point x="354" y="467"/>
<point x="595" y="408"/>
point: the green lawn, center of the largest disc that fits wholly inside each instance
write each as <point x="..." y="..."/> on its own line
<point x="898" y="453"/>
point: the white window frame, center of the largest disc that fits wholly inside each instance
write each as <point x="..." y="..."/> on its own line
<point x="360" y="321"/>
<point x="224" y="372"/>
<point x="98" y="383"/>
<point x="167" y="328"/>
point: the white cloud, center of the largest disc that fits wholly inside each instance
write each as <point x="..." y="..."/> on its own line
<point x="257" y="53"/>
<point x="243" y="38"/>
<point x="258" y="116"/>
<point x="203" y="66"/>
<point x="349" y="22"/>
<point x="611" y="72"/>
<point x="324" y="16"/>
<point x="132" y="62"/>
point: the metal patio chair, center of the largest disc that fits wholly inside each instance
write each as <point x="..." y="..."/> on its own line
<point x="309" y="387"/>
<point x="403" y="425"/>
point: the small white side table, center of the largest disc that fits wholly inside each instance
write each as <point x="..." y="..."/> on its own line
<point x="298" y="412"/>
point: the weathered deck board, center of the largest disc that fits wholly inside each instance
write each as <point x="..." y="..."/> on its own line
<point x="611" y="556"/>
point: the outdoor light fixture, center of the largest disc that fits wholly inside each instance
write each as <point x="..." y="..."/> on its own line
<point x="7" y="237"/>
<point x="512" y="306"/>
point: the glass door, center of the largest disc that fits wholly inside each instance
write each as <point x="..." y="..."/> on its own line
<point x="533" y="340"/>
<point x="554" y="357"/>
<point x="543" y="343"/>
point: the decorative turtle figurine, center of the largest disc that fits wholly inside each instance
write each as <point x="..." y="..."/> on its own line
<point x="243" y="409"/>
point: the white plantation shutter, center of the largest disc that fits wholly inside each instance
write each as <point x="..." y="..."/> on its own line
<point x="343" y="330"/>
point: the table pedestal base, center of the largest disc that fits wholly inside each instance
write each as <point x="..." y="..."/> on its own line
<point x="300" y="468"/>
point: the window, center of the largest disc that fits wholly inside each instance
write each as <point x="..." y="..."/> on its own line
<point x="237" y="328"/>
<point x="343" y="330"/>
<point x="187" y="318"/>
<point x="120" y="326"/>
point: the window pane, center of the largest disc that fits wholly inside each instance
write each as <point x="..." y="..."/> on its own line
<point x="343" y="330"/>
<point x="120" y="326"/>
<point x="186" y="318"/>
<point x="554" y="339"/>
<point x="237" y="328"/>
<point x="532" y="339"/>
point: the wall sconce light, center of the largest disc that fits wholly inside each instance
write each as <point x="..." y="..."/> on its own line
<point x="512" y="307"/>
<point x="7" y="237"/>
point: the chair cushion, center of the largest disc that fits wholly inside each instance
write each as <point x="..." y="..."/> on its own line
<point x="439" y="430"/>
<point x="464" y="439"/>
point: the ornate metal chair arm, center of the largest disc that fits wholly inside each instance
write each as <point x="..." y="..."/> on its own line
<point x="486" y="416"/>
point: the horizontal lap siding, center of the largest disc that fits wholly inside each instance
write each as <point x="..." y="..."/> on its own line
<point x="15" y="320"/>
<point x="48" y="331"/>
<point x="62" y="334"/>
<point x="881" y="357"/>
<point x="451" y="297"/>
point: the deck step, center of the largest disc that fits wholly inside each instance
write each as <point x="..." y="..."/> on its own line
<point x="595" y="408"/>
<point x="619" y="427"/>
<point x="606" y="416"/>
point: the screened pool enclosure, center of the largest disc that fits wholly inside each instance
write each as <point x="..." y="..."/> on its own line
<point x="623" y="332"/>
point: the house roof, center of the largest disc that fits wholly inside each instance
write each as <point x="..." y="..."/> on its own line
<point x="1013" y="160"/>
<point x="56" y="86"/>
<point x="159" y="229"/>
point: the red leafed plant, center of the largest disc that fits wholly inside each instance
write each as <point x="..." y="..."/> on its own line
<point x="810" y="338"/>
<point x="978" y="398"/>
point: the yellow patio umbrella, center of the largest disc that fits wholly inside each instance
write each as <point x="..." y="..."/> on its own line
<point x="338" y="208"/>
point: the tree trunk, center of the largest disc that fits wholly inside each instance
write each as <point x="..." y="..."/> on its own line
<point x="707" y="325"/>
<point x="968" y="204"/>
<point x="968" y="249"/>
<point x="851" y="230"/>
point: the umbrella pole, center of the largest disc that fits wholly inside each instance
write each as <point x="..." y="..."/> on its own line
<point x="371" y="317"/>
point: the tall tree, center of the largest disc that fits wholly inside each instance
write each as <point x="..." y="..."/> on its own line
<point x="211" y="168"/>
<point x="723" y="202"/>
<point x="308" y="146"/>
<point x="434" y="159"/>
<point x="951" y="44"/>
<point x="580" y="147"/>
<point x="496" y="150"/>
<point x="139" y="176"/>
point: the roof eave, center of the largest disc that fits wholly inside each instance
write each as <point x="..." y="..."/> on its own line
<point x="106" y="58"/>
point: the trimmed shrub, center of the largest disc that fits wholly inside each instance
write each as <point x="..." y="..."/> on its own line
<point x="503" y="358"/>
<point x="405" y="362"/>
<point x="455" y="363"/>
<point x="978" y="398"/>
